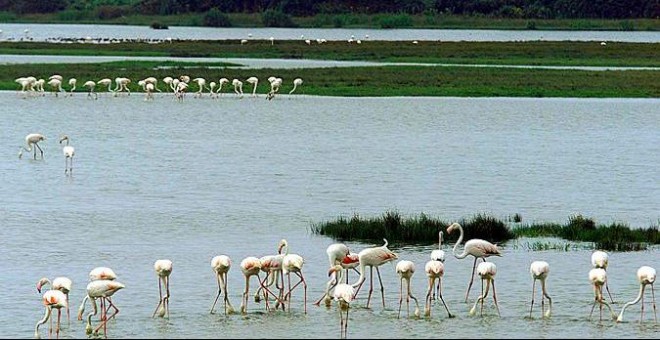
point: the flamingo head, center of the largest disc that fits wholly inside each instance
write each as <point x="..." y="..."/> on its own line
<point x="283" y="243"/>
<point x="452" y="227"/>
<point x="42" y="282"/>
<point x="63" y="138"/>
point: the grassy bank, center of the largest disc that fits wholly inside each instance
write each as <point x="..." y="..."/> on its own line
<point x="348" y="20"/>
<point x="424" y="230"/>
<point x="371" y="81"/>
<point x="548" y="53"/>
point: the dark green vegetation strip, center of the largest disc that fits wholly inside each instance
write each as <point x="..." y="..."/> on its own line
<point x="424" y="230"/>
<point x="551" y="53"/>
<point x="372" y="81"/>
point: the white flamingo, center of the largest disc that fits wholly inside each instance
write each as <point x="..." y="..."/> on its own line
<point x="238" y="87"/>
<point x="250" y="266"/>
<point x="103" y="290"/>
<point x="646" y="276"/>
<point x="600" y="259"/>
<point x="478" y="248"/>
<point x="598" y="277"/>
<point x="68" y="152"/>
<point x="435" y="270"/>
<point x="201" y="83"/>
<point x="221" y="265"/>
<point x="343" y="294"/>
<point x="293" y="263"/>
<point x="56" y="85"/>
<point x="336" y="252"/>
<point x="487" y="272"/>
<point x="72" y="83"/>
<point x="163" y="270"/>
<point x="52" y="299"/>
<point x="405" y="269"/>
<point x="90" y="85"/>
<point x="374" y="257"/>
<point x="254" y="81"/>
<point x="221" y="82"/>
<point x="107" y="82"/>
<point x="32" y="142"/>
<point x="99" y="274"/>
<point x="296" y="82"/>
<point x="539" y="271"/>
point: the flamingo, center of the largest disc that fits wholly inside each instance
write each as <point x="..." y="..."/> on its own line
<point x="487" y="272"/>
<point x="154" y="81"/>
<point x="272" y="266"/>
<point x="72" y="83"/>
<point x="238" y="87"/>
<point x="106" y="82"/>
<point x="168" y="81"/>
<point x="343" y="294"/>
<point x="435" y="270"/>
<point x="275" y="84"/>
<point x="600" y="259"/>
<point x="374" y="257"/>
<point x="122" y="85"/>
<point x="221" y="265"/>
<point x="32" y="141"/>
<point x="405" y="269"/>
<point x="149" y="88"/>
<point x="163" y="269"/>
<point x="212" y="92"/>
<point x="221" y="82"/>
<point x="63" y="284"/>
<point x="336" y="252"/>
<point x="645" y="276"/>
<point x="296" y="82"/>
<point x="598" y="277"/>
<point x="52" y="299"/>
<point x="68" y="152"/>
<point x="201" y="83"/>
<point x="293" y="263"/>
<point x="90" y="85"/>
<point x="539" y="271"/>
<point x="438" y="254"/>
<point x="97" y="274"/>
<point x="478" y="248"/>
<point x="25" y="84"/>
<point x="254" y="81"/>
<point x="56" y="84"/>
<point x="250" y="266"/>
<point x="101" y="289"/>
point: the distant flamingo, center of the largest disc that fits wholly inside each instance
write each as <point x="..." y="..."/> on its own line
<point x="374" y="257"/>
<point x="163" y="269"/>
<point x="598" y="278"/>
<point x="487" y="272"/>
<point x="646" y="276"/>
<point x="68" y="152"/>
<point x="32" y="142"/>
<point x="343" y="294"/>
<point x="122" y="85"/>
<point x="293" y="263"/>
<point x="63" y="284"/>
<point x="52" y="299"/>
<point x="168" y="81"/>
<point x="254" y="81"/>
<point x="435" y="270"/>
<point x="221" y="82"/>
<point x="90" y="85"/>
<point x="103" y="290"/>
<point x="107" y="82"/>
<point x="221" y="265"/>
<point x="405" y="269"/>
<point x="250" y="266"/>
<point x="72" y="83"/>
<point x="539" y="271"/>
<point x="201" y="83"/>
<point x="56" y="85"/>
<point x="238" y="87"/>
<point x="600" y="259"/>
<point x="478" y="248"/>
<point x="296" y="82"/>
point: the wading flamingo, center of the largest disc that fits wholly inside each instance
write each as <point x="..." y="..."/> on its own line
<point x="91" y="85"/>
<point x="405" y="269"/>
<point x="600" y="259"/>
<point x="336" y="252"/>
<point x="343" y="294"/>
<point x="296" y="82"/>
<point x="435" y="270"/>
<point x="32" y="142"/>
<point x="645" y="276"/>
<point x="250" y="266"/>
<point x="96" y="274"/>
<point x="63" y="284"/>
<point x="598" y="278"/>
<point x="163" y="269"/>
<point x="374" y="257"/>
<point x="293" y="263"/>
<point x="478" y="248"/>
<point x="107" y="82"/>
<point x="539" y="271"/>
<point x="103" y="290"/>
<point x="254" y="81"/>
<point x="487" y="272"/>
<point x="52" y="299"/>
<point x="238" y="87"/>
<point x="68" y="152"/>
<point x="221" y="265"/>
<point x="221" y="82"/>
<point x="56" y="85"/>
<point x="201" y="84"/>
<point x="72" y="83"/>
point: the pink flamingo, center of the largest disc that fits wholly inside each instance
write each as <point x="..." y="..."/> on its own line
<point x="435" y="270"/>
<point x="598" y="278"/>
<point x="487" y="272"/>
<point x="250" y="266"/>
<point x="478" y="248"/>
<point x="52" y="299"/>
<point x="63" y="284"/>
<point x="374" y="257"/>
<point x="336" y="252"/>
<point x="221" y="265"/>
<point x="101" y="289"/>
<point x="405" y="269"/>
<point x="344" y="295"/>
<point x="96" y="274"/>
<point x="600" y="259"/>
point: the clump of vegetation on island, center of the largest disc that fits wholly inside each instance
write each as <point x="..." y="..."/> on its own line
<point x="423" y="229"/>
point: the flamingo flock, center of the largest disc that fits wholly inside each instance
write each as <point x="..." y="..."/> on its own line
<point x="31" y="86"/>
<point x="103" y="283"/>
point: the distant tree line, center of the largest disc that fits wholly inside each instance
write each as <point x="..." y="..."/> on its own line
<point x="530" y="9"/>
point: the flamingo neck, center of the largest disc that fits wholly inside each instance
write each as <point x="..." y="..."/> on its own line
<point x="362" y="275"/>
<point x="460" y="239"/>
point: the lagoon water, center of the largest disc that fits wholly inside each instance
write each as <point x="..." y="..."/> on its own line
<point x="194" y="179"/>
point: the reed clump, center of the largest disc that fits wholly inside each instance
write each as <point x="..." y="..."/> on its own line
<point x="423" y="229"/>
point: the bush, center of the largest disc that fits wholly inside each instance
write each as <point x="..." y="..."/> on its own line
<point x="158" y="26"/>
<point x="215" y="18"/>
<point x="394" y="21"/>
<point x="277" y="18"/>
<point x="109" y="12"/>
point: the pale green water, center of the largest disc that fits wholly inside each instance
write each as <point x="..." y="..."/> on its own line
<point x="188" y="181"/>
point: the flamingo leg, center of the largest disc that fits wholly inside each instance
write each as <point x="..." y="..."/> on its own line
<point x="474" y="267"/>
<point x="57" y="329"/>
<point x="545" y="293"/>
<point x="167" y="298"/>
<point x="607" y="287"/>
<point x="371" y="284"/>
<point x="41" y="322"/>
<point x="400" y="296"/>
<point x="382" y="289"/>
<point x="68" y="317"/>
<point x="495" y="298"/>
<point x="229" y="309"/>
<point x="443" y="300"/>
<point x="427" y="301"/>
<point x="160" y="297"/>
<point x="411" y="296"/>
<point x="655" y="316"/>
<point x="245" y="295"/>
<point x="641" y="314"/>
<point x="533" y="293"/>
<point x="217" y="296"/>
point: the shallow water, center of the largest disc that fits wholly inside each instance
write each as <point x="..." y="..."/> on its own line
<point x="191" y="180"/>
